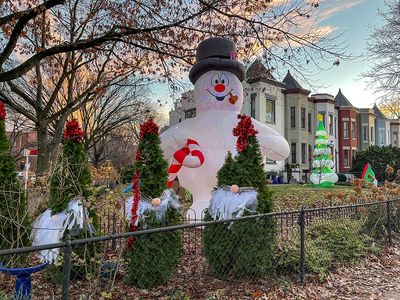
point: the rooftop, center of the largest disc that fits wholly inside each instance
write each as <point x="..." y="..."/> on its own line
<point x="341" y="99"/>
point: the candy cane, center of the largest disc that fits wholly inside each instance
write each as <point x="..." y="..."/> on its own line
<point x="189" y="156"/>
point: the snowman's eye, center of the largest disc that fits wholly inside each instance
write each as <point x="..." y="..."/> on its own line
<point x="224" y="79"/>
<point x="215" y="79"/>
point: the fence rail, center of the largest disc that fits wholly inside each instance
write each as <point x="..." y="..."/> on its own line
<point x="197" y="259"/>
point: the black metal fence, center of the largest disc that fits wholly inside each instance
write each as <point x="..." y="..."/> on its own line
<point x="236" y="255"/>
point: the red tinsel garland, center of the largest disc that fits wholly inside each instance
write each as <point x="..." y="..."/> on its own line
<point x="149" y="127"/>
<point x="243" y="131"/>
<point x="73" y="131"/>
<point x="2" y="111"/>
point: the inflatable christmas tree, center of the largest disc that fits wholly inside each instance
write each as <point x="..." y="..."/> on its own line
<point x="234" y="250"/>
<point x="368" y="175"/>
<point x="14" y="220"/>
<point x="152" y="258"/>
<point x="322" y="175"/>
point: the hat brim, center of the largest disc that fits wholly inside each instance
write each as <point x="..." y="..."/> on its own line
<point x="217" y="64"/>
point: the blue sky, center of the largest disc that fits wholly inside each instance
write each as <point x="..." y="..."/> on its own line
<point x="354" y="21"/>
<point x="351" y="18"/>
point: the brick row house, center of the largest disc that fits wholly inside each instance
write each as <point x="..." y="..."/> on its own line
<point x="292" y="111"/>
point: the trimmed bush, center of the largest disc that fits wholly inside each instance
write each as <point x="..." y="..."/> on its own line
<point x="243" y="249"/>
<point x="152" y="258"/>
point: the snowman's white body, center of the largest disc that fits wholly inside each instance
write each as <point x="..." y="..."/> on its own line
<point x="216" y="116"/>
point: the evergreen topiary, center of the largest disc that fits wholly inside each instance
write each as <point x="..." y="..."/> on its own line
<point x="152" y="258"/>
<point x="14" y="220"/>
<point x="71" y="176"/>
<point x="243" y="249"/>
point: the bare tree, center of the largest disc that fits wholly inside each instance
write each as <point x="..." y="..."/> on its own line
<point x="56" y="56"/>
<point x="168" y="30"/>
<point x="384" y="53"/>
<point x="104" y="118"/>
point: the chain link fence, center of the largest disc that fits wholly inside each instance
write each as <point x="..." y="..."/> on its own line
<point x="211" y="259"/>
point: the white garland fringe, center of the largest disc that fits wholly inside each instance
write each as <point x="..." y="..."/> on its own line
<point x="227" y="205"/>
<point x="168" y="199"/>
<point x="49" y="228"/>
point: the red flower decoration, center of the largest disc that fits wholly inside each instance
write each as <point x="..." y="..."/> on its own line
<point x="2" y="111"/>
<point x="149" y="127"/>
<point x="243" y="131"/>
<point x="73" y="131"/>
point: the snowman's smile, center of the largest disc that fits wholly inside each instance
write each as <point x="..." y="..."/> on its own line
<point x="220" y="98"/>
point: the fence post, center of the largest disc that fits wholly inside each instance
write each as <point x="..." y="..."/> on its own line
<point x="389" y="220"/>
<point x="66" y="269"/>
<point x="302" y="223"/>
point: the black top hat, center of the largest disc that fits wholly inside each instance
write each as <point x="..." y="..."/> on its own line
<point x="216" y="54"/>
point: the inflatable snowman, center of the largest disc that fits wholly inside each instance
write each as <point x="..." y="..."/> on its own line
<point x="196" y="148"/>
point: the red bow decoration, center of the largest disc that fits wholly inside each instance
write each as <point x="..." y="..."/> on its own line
<point x="243" y="131"/>
<point x="73" y="131"/>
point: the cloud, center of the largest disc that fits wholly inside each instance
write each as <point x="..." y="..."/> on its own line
<point x="335" y="7"/>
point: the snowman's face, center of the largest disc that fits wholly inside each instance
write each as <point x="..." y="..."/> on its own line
<point x="218" y="90"/>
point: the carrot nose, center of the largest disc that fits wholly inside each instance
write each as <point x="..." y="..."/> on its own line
<point x="219" y="88"/>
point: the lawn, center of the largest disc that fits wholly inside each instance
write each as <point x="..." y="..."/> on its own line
<point x="294" y="196"/>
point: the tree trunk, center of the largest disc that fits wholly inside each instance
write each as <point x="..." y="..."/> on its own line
<point x="43" y="157"/>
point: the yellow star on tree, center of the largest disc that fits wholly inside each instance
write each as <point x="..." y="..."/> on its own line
<point x="320" y="117"/>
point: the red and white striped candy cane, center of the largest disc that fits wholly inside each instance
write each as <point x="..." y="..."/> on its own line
<point x="189" y="156"/>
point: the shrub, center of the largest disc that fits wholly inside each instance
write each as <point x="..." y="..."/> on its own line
<point x="376" y="221"/>
<point x="342" y="177"/>
<point x="336" y="240"/>
<point x="343" y="238"/>
<point x="154" y="257"/>
<point x="243" y="249"/>
<point x="14" y="220"/>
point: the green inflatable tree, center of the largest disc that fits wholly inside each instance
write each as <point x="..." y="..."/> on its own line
<point x="152" y="258"/>
<point x="244" y="249"/>
<point x="322" y="175"/>
<point x="14" y="220"/>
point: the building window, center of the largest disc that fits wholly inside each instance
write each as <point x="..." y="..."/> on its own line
<point x="335" y="128"/>
<point x="270" y="111"/>
<point x="345" y="129"/>
<point x="347" y="158"/>
<point x="381" y="137"/>
<point x="303" y="118"/>
<point x="294" y="154"/>
<point x="353" y="130"/>
<point x="372" y="134"/>
<point x="303" y="153"/>
<point x="365" y="134"/>
<point x="253" y="105"/>
<point x="395" y="138"/>
<point x="330" y="125"/>
<point x="293" y="116"/>
<point x="309" y="122"/>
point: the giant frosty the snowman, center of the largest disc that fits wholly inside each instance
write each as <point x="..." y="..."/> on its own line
<point x="197" y="147"/>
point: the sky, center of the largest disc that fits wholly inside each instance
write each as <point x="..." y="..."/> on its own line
<point x="351" y="18"/>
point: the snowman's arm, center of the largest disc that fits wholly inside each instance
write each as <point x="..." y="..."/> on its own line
<point x="172" y="140"/>
<point x="273" y="145"/>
